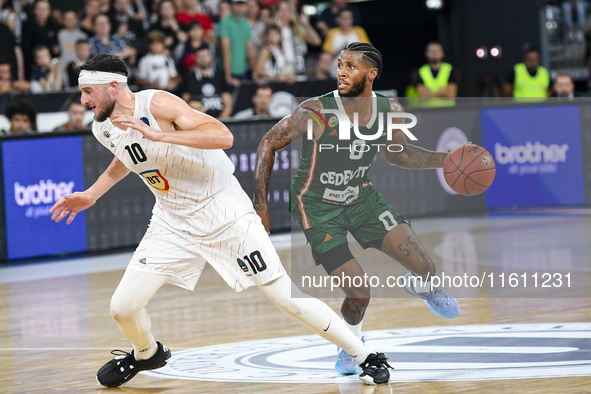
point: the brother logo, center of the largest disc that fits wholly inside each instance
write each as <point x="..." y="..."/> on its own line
<point x="45" y="192"/>
<point x="530" y="153"/>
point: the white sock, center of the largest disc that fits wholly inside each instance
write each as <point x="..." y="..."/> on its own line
<point x="356" y="329"/>
<point x="359" y="353"/>
<point x="145" y="352"/>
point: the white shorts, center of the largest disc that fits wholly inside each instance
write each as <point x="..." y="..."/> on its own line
<point x="241" y="252"/>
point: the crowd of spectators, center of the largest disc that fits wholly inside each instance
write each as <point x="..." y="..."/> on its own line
<point x="198" y="49"/>
<point x="202" y="50"/>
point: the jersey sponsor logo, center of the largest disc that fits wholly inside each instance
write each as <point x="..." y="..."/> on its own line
<point x="453" y="353"/>
<point x="342" y="178"/>
<point x="349" y="194"/>
<point x="145" y="120"/>
<point x="106" y="134"/>
<point x="156" y="180"/>
<point x="333" y="121"/>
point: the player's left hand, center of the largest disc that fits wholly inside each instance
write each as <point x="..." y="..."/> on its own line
<point x="136" y="124"/>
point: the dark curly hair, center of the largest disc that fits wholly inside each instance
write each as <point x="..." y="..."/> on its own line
<point x="370" y="54"/>
<point x="22" y="107"/>
<point x="105" y="62"/>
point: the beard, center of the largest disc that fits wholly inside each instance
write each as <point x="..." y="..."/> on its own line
<point x="106" y="111"/>
<point x="356" y="89"/>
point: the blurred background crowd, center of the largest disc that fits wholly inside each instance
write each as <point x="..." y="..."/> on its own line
<point x="204" y="50"/>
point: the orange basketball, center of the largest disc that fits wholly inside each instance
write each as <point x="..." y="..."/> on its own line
<point x="469" y="169"/>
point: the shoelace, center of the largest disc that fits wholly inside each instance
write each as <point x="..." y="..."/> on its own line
<point x="377" y="362"/>
<point x="123" y="357"/>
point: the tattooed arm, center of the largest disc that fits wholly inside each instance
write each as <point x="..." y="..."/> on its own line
<point x="411" y="156"/>
<point x="279" y="137"/>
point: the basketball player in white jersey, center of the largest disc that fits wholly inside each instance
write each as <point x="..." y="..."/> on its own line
<point x="201" y="215"/>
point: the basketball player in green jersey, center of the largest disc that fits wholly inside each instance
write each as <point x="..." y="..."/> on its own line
<point x="331" y="193"/>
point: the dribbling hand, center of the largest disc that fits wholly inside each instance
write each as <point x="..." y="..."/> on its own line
<point x="71" y="204"/>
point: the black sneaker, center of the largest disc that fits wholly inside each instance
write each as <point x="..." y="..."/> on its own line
<point x="124" y="366"/>
<point x="375" y="369"/>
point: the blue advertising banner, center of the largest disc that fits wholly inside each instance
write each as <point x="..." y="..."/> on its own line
<point x="538" y="157"/>
<point x="37" y="173"/>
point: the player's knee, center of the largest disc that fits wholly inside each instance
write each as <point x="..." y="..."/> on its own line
<point x="122" y="311"/>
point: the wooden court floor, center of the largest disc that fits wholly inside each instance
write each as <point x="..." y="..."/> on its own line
<point x="55" y="333"/>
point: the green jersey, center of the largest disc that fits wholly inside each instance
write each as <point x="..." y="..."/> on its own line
<point x="333" y="173"/>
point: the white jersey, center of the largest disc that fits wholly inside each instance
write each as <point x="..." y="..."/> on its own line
<point x="184" y="180"/>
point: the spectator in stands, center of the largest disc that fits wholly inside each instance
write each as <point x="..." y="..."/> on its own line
<point x="528" y="79"/>
<point x="122" y="14"/>
<point x="104" y="6"/>
<point x="91" y="10"/>
<point x="210" y="7"/>
<point x="156" y="68"/>
<point x="257" y="28"/>
<point x="166" y="23"/>
<point x="104" y="42"/>
<point x="47" y="74"/>
<point x="67" y="38"/>
<point x="39" y="30"/>
<point x="236" y="44"/>
<point x="272" y="64"/>
<point x="343" y="35"/>
<point x="82" y="55"/>
<point x="328" y="17"/>
<point x="7" y="83"/>
<point x="22" y="115"/>
<point x="295" y="33"/>
<point x="575" y="33"/>
<point x="7" y="14"/>
<point x="186" y="53"/>
<point x="262" y="102"/>
<point x="323" y="68"/>
<point x="225" y="9"/>
<point x="437" y="79"/>
<point x="564" y="87"/>
<point x="266" y="15"/>
<point x="189" y="13"/>
<point x="10" y="51"/>
<point x="206" y="86"/>
<point x="76" y="112"/>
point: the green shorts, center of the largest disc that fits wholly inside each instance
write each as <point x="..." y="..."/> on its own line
<point x="368" y="220"/>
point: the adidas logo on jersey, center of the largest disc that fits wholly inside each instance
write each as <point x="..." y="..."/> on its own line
<point x="334" y="133"/>
<point x="327" y="238"/>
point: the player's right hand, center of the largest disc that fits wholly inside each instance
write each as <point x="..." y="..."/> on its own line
<point x="264" y="215"/>
<point x="71" y="204"/>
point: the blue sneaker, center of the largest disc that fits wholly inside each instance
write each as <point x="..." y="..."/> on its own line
<point x="346" y="364"/>
<point x="438" y="300"/>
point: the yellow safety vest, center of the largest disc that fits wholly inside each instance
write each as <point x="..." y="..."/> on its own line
<point x="435" y="84"/>
<point x="412" y="97"/>
<point x="531" y="87"/>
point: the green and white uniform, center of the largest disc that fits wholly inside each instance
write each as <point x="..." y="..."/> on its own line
<point x="331" y="192"/>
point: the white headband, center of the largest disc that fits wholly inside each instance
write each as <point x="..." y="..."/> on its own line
<point x="87" y="77"/>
